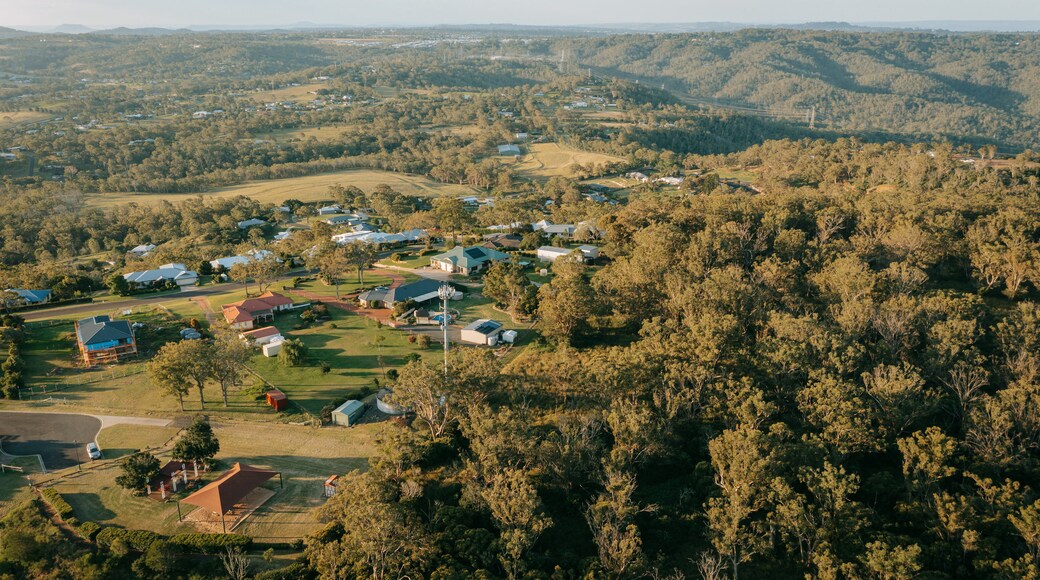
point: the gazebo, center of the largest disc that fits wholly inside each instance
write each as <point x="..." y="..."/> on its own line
<point x="221" y="495"/>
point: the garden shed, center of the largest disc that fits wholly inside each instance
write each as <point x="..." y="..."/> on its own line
<point x="349" y="413"/>
<point x="277" y="400"/>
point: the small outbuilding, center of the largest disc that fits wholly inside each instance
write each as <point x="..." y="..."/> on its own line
<point x="348" y="414"/>
<point x="277" y="400"/>
<point x="271" y="349"/>
<point x="483" y="331"/>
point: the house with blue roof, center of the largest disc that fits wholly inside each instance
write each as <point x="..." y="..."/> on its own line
<point x="29" y="297"/>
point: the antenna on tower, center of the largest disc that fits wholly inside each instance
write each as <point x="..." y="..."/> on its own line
<point x="812" y="117"/>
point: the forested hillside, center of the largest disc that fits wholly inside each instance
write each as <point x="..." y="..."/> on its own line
<point x="977" y="87"/>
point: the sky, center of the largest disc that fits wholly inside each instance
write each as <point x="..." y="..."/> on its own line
<point x="178" y="13"/>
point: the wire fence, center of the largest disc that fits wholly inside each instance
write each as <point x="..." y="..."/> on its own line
<point x="51" y="391"/>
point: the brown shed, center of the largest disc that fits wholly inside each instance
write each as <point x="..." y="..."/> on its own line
<point x="277" y="400"/>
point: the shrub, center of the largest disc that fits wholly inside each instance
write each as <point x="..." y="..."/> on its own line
<point x="411" y="338"/>
<point x="294" y="571"/>
<point x="57" y="503"/>
<point x="211" y="543"/>
<point x="138" y="540"/>
<point x="88" y="530"/>
<point x="423" y="341"/>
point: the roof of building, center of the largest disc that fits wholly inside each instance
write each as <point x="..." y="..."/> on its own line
<point x="165" y="272"/>
<point x="554" y="250"/>
<point x="251" y="222"/>
<point x="484" y="326"/>
<point x="230" y="488"/>
<point x="31" y="296"/>
<point x="261" y="303"/>
<point x="349" y="407"/>
<point x="261" y="332"/>
<point x="508" y="150"/>
<point x="470" y="257"/>
<point x="502" y="241"/>
<point x="413" y="290"/>
<point x="374" y="295"/>
<point x="101" y="329"/>
<point x="142" y="249"/>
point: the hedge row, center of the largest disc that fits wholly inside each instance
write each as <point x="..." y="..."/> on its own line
<point x="211" y="543"/>
<point x="138" y="540"/>
<point x="57" y="503"/>
<point x="88" y="530"/>
<point x="294" y="571"/>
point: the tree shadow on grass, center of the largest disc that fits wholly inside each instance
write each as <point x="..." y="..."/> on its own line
<point x="88" y="506"/>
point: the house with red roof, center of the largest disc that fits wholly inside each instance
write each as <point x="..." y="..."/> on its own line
<point x="254" y="312"/>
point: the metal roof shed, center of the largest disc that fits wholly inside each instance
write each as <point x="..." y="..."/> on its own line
<point x="483" y="331"/>
<point x="349" y="413"/>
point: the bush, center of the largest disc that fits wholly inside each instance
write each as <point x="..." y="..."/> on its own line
<point x="211" y="543"/>
<point x="423" y="341"/>
<point x="138" y="540"/>
<point x="294" y="571"/>
<point x="57" y="503"/>
<point x="88" y="530"/>
<point x="411" y="338"/>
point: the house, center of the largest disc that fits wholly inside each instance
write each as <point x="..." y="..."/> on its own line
<point x="638" y="176"/>
<point x="676" y="181"/>
<point x="229" y="262"/>
<point x="251" y="223"/>
<point x="103" y="340"/>
<point x="418" y="291"/>
<point x="349" y="413"/>
<point x="262" y="336"/>
<point x="483" y="331"/>
<point x="504" y="242"/>
<point x="330" y="209"/>
<point x="282" y="236"/>
<point x="343" y="219"/>
<point x="552" y="253"/>
<point x="460" y="260"/>
<point x="252" y="312"/>
<point x="565" y="230"/>
<point x="30" y="297"/>
<point x="142" y="250"/>
<point x="508" y="150"/>
<point x="176" y="273"/>
<point x="521" y="136"/>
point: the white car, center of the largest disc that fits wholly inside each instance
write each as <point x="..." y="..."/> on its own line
<point x="93" y="451"/>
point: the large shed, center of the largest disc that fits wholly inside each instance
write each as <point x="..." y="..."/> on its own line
<point x="349" y="413"/>
<point x="483" y="331"/>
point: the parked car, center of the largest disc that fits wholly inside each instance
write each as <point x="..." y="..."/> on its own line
<point x="93" y="451"/>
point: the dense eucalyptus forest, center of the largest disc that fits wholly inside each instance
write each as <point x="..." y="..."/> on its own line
<point x="827" y="366"/>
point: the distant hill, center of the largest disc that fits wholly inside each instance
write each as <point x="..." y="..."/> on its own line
<point x="124" y="31"/>
<point x="71" y="29"/>
<point x="12" y="33"/>
<point x="973" y="87"/>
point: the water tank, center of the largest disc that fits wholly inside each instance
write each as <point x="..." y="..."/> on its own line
<point x="492" y="340"/>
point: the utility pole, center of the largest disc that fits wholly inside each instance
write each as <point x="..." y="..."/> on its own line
<point x="444" y="293"/>
<point x="812" y="118"/>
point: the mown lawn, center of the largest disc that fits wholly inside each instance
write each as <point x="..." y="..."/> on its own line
<point x="350" y="348"/>
<point x="304" y="455"/>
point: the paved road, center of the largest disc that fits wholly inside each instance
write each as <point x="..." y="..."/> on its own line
<point x="186" y="294"/>
<point x="59" y="438"/>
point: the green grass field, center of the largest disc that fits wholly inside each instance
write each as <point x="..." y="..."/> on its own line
<point x="350" y="350"/>
<point x="410" y="260"/>
<point x="307" y="189"/>
<point x="304" y="455"/>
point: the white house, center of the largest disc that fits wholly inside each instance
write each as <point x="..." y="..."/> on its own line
<point x="552" y="253"/>
<point x="229" y="262"/>
<point x="142" y="250"/>
<point x="178" y="273"/>
<point x="330" y="209"/>
<point x="483" y="331"/>
<point x="251" y="223"/>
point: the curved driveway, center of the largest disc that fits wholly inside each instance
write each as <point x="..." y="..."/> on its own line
<point x="59" y="438"/>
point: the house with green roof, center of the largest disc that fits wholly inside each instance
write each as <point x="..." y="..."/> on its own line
<point x="460" y="260"/>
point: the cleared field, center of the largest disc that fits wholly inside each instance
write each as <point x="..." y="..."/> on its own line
<point x="304" y="455"/>
<point x="545" y="160"/>
<point x="323" y="133"/>
<point x="308" y="188"/>
<point x="300" y="93"/>
<point x="10" y="119"/>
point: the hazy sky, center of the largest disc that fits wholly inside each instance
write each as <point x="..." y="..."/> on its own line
<point x="167" y="13"/>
